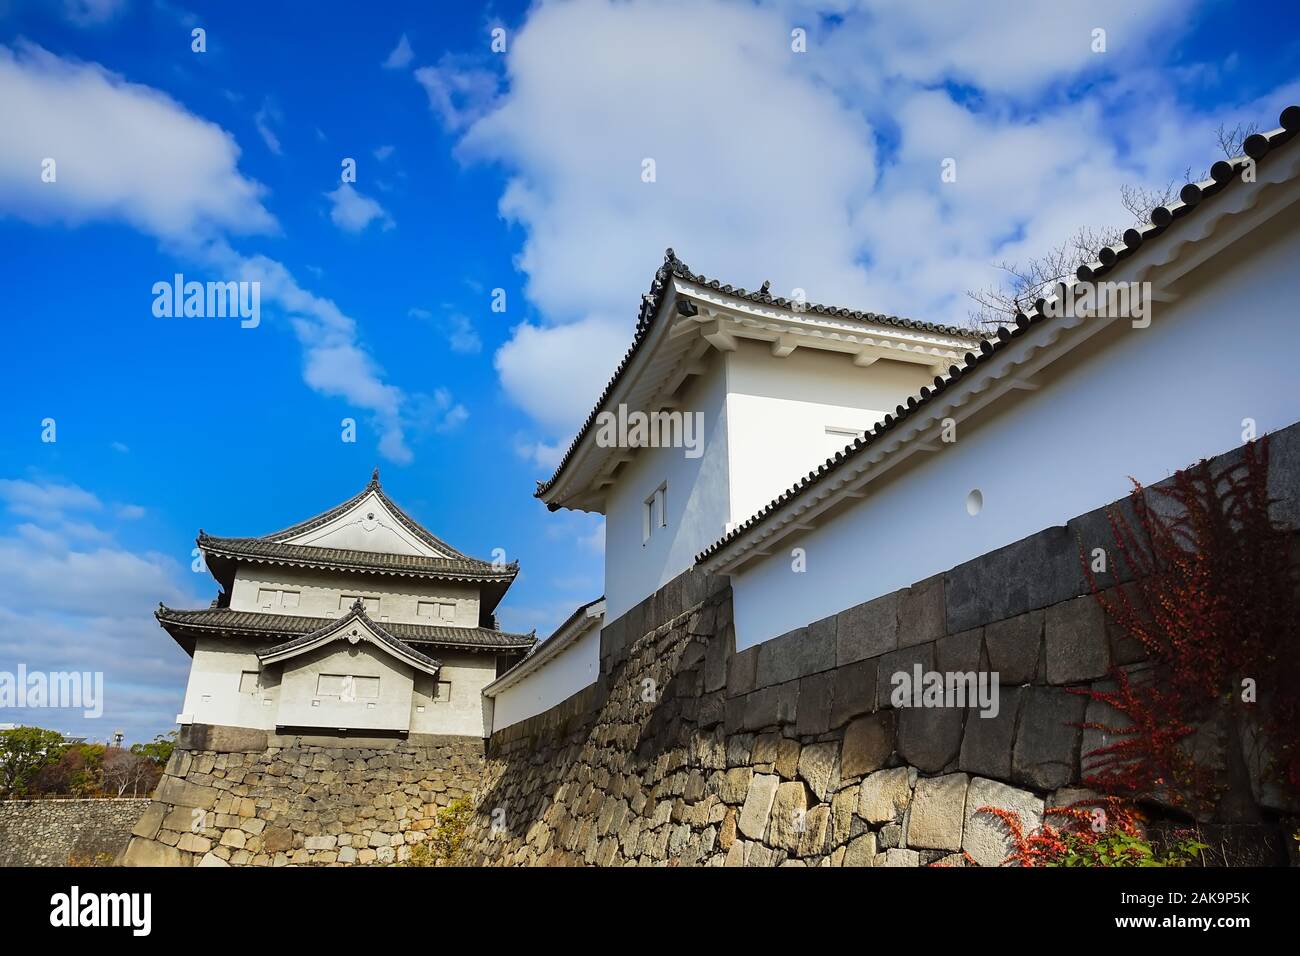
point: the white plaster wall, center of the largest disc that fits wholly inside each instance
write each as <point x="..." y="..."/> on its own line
<point x="320" y="591"/>
<point x="215" y="673"/>
<point x="1143" y="402"/>
<point x="778" y="410"/>
<point x="462" y="713"/>
<point x="697" y="504"/>
<point x="574" y="668"/>
<point x="390" y="710"/>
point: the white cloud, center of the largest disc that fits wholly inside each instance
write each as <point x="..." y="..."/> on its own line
<point x="581" y="355"/>
<point x="352" y="212"/>
<point x="818" y="170"/>
<point x="383" y="152"/>
<point x="128" y="153"/>
<point x="121" y="151"/>
<point x="401" y="56"/>
<point x="32" y="499"/>
<point x="263" y="119"/>
<point x="459" y="92"/>
<point x="459" y="330"/>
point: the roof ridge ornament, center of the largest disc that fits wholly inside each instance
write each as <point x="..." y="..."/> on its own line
<point x="374" y="477"/>
<point x="359" y="607"/>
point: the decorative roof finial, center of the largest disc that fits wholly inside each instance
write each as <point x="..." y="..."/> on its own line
<point x="767" y="285"/>
<point x="374" y="476"/>
<point x="669" y="255"/>
<point x="358" y="606"/>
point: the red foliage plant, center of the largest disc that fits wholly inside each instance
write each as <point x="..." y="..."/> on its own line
<point x="1213" y="603"/>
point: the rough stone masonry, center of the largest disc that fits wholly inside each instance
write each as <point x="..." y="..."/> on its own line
<point x="685" y="752"/>
<point x="790" y="753"/>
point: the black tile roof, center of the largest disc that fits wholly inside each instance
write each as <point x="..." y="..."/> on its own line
<point x="268" y="551"/>
<point x="231" y="623"/>
<point x="650" y="302"/>
<point x="1222" y="174"/>
<point x="357" y="612"/>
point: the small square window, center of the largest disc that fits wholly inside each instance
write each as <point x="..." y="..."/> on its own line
<point x="441" y="691"/>
<point x="289" y="598"/>
<point x="248" y="682"/>
<point x="655" y="512"/>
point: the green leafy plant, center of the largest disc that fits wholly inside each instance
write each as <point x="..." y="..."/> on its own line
<point x="1121" y="849"/>
<point x="443" y="845"/>
<point x="24" y="752"/>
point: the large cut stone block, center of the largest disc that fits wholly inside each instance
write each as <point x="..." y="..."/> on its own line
<point x="818" y="764"/>
<point x="789" y="816"/>
<point x="758" y="805"/>
<point x="816" y="695"/>
<point x="151" y="853"/>
<point x="938" y="812"/>
<point x="995" y="586"/>
<point x="921" y="615"/>
<point x="1046" y="753"/>
<point x="930" y="737"/>
<point x="867" y="630"/>
<point x="987" y="741"/>
<point x="854" y="691"/>
<point x="901" y="661"/>
<point x="1014" y="645"/>
<point x="868" y="742"/>
<point x="794" y="655"/>
<point x="182" y="793"/>
<point x="1077" y="645"/>
<point x="884" y="796"/>
<point x="984" y="836"/>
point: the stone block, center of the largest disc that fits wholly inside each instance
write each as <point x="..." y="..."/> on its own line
<point x="921" y="613"/>
<point x="151" y="853"/>
<point x="937" y="812"/>
<point x="735" y="784"/>
<point x="996" y="585"/>
<point x="1014" y="645"/>
<point x="960" y="653"/>
<point x="150" y="821"/>
<point x="789" y="816"/>
<point x="1077" y="645"/>
<point x="861" y="852"/>
<point x="787" y="757"/>
<point x="758" y="805"/>
<point x="794" y="655"/>
<point x="895" y="857"/>
<point x="929" y="738"/>
<point x="1046" y="751"/>
<point x="885" y="795"/>
<point x="985" y="837"/>
<point x="819" y="766"/>
<point x="868" y="742"/>
<point x="853" y="691"/>
<point x="901" y="661"/>
<point x="867" y="630"/>
<point x="816" y="696"/>
<point x="183" y="793"/>
<point x="987" y="741"/>
<point x="742" y="672"/>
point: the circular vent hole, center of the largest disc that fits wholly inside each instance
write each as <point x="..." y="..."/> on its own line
<point x="974" y="502"/>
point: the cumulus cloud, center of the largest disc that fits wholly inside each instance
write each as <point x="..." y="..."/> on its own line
<point x="818" y="171"/>
<point x="456" y="327"/>
<point x="119" y="151"/>
<point x="82" y="601"/>
<point x="352" y="211"/>
<point x="126" y="152"/>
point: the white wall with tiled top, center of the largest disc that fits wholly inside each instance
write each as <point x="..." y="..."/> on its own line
<point x="278" y="590"/>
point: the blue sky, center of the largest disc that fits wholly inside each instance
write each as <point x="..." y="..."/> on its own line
<point x="480" y="170"/>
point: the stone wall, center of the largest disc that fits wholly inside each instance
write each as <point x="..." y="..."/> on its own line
<point x="236" y="797"/>
<point x="791" y="752"/>
<point x="65" y="832"/>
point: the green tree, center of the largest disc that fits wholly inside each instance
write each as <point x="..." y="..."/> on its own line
<point x="159" y="750"/>
<point x="23" y="752"/>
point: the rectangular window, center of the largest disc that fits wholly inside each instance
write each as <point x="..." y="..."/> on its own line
<point x="329" y="685"/>
<point x="371" y="604"/>
<point x="248" y="682"/>
<point x="438" y="610"/>
<point x="655" y="512"/>
<point x="347" y="686"/>
<point x="441" y="691"/>
<point x="273" y="597"/>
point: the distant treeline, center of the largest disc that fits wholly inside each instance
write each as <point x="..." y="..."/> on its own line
<point x="37" y="763"/>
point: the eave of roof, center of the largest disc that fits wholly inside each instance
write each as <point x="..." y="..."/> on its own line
<point x="268" y="551"/>
<point x="650" y="307"/>
<point x="574" y="626"/>
<point x="251" y="624"/>
<point x="1222" y="174"/>
<point x="331" y="631"/>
